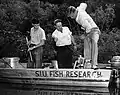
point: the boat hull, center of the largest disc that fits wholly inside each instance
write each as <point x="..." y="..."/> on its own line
<point x="66" y="77"/>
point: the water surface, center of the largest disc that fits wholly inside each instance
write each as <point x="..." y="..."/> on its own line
<point x="18" y="89"/>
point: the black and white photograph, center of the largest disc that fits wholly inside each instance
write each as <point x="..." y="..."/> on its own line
<point x="59" y="47"/>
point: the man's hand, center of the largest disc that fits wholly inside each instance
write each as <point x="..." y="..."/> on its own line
<point x="75" y="47"/>
<point x="82" y="37"/>
<point x="55" y="39"/>
<point x="55" y="52"/>
<point x="82" y="28"/>
<point x="31" y="48"/>
<point x="28" y="32"/>
<point x="28" y="43"/>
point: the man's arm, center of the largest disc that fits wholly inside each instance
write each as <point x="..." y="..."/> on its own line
<point x="38" y="45"/>
<point x="42" y="43"/>
<point x="54" y="36"/>
<point x="73" y="41"/>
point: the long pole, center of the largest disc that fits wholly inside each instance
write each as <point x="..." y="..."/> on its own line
<point x="29" y="51"/>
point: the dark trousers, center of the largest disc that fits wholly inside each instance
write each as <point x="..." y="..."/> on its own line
<point x="37" y="58"/>
<point x="64" y="57"/>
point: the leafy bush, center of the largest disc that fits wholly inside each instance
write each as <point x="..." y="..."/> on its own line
<point x="14" y="12"/>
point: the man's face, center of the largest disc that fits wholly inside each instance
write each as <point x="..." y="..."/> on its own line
<point x="36" y="26"/>
<point x="59" y="26"/>
<point x="72" y="15"/>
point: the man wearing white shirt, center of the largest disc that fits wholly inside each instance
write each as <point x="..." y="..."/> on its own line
<point x="37" y="41"/>
<point x="64" y="39"/>
<point x="92" y="31"/>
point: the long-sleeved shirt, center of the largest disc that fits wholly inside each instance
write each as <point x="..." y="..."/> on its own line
<point x="84" y="19"/>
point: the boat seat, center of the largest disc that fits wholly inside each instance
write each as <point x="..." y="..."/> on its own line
<point x="52" y="65"/>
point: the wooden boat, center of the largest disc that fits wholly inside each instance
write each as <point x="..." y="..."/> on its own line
<point x="60" y="77"/>
<point x="56" y="77"/>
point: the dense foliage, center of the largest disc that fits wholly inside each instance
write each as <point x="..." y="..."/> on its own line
<point x="13" y="13"/>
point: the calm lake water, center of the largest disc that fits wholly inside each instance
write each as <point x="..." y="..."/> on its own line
<point x="17" y="89"/>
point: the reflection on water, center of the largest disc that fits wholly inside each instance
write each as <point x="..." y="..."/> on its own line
<point x="17" y="89"/>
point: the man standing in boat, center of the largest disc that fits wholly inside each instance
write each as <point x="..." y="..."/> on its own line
<point x="63" y="38"/>
<point x="36" y="43"/>
<point x="92" y="31"/>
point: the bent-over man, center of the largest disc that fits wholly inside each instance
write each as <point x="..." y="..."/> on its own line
<point x="92" y="31"/>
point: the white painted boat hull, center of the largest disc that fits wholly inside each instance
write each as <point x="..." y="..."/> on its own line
<point x="65" y="77"/>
